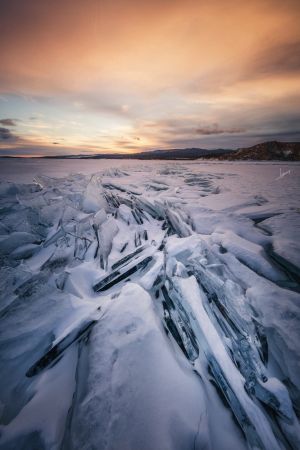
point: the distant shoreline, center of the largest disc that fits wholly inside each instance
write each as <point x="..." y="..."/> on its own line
<point x="265" y="151"/>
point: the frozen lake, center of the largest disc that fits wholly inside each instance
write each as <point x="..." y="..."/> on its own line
<point x="149" y="305"/>
<point x="24" y="169"/>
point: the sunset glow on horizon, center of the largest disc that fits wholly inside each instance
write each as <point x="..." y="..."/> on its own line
<point x="127" y="76"/>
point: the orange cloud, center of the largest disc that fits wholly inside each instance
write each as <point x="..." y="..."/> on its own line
<point x="207" y="62"/>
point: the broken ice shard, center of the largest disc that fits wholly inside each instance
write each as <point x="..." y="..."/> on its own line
<point x="178" y="323"/>
<point x="117" y="276"/>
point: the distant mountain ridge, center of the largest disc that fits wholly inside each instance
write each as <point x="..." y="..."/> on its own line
<point x="266" y="151"/>
<point x="180" y="153"/>
<point x="183" y="153"/>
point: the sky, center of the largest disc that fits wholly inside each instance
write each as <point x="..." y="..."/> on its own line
<point x="93" y="76"/>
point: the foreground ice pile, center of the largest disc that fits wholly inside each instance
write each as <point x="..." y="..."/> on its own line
<point x="156" y="308"/>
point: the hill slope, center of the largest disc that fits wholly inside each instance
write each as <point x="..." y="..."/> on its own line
<point x="266" y="151"/>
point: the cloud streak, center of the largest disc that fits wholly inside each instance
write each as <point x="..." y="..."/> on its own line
<point x="215" y="129"/>
<point x="8" y="122"/>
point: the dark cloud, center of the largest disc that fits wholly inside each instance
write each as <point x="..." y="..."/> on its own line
<point x="5" y="134"/>
<point x="8" y="122"/>
<point x="283" y="58"/>
<point x="215" y="129"/>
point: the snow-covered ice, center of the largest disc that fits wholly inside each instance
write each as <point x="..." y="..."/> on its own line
<point x="149" y="305"/>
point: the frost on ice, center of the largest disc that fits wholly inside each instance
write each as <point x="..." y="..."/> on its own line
<point x="152" y="307"/>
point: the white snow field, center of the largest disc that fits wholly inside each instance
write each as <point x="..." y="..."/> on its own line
<point x="149" y="305"/>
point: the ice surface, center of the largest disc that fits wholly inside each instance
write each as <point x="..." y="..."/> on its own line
<point x="285" y="229"/>
<point x="149" y="306"/>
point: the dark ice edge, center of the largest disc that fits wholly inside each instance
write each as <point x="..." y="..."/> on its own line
<point x="57" y="350"/>
<point x="126" y="258"/>
<point x="117" y="276"/>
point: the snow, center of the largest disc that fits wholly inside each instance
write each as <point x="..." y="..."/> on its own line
<point x="286" y="231"/>
<point x="142" y="389"/>
<point x="149" y="305"/>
